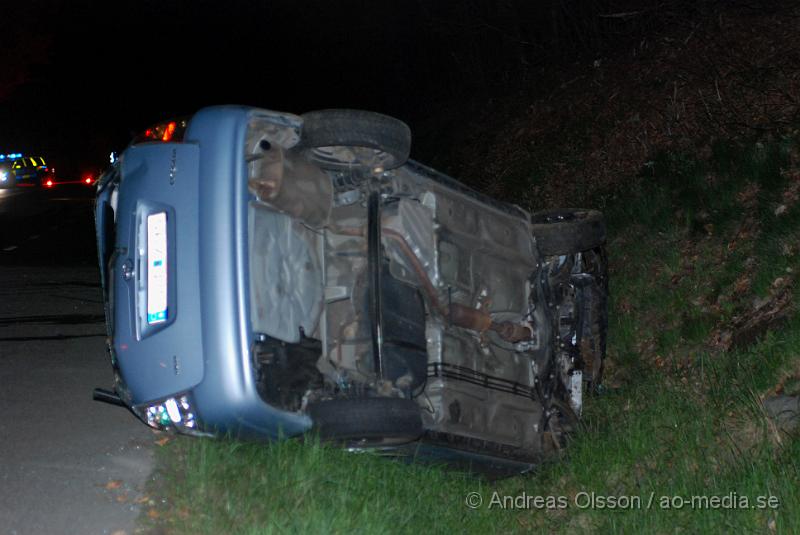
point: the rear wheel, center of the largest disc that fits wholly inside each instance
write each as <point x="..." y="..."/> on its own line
<point x="354" y="139"/>
<point x="367" y="421"/>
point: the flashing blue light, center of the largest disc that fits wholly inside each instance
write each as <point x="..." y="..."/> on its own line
<point x="2" y="157"/>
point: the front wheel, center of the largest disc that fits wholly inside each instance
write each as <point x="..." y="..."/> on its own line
<point x="568" y="230"/>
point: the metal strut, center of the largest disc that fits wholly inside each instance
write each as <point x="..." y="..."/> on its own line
<point x="374" y="261"/>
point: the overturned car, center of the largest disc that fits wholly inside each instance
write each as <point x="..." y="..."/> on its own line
<point x="269" y="275"/>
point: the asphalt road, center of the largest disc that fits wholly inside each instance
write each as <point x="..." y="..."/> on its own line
<point x="67" y="464"/>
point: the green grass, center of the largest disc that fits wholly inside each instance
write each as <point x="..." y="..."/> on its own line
<point x="679" y="417"/>
<point x="230" y="487"/>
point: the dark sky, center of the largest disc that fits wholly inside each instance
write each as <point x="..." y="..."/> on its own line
<point x="79" y="77"/>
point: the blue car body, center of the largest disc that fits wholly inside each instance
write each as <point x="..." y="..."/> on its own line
<point x="205" y="196"/>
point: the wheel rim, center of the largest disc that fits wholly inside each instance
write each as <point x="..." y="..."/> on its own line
<point x="352" y="157"/>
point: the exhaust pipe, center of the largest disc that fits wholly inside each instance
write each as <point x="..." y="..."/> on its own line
<point x="107" y="396"/>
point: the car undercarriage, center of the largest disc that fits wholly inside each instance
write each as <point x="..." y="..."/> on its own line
<point x="392" y="304"/>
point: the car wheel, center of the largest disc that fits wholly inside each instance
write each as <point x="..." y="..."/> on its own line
<point x="568" y="230"/>
<point x="367" y="421"/>
<point x="354" y="139"/>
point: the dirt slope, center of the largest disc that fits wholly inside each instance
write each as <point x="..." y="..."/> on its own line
<point x="731" y="72"/>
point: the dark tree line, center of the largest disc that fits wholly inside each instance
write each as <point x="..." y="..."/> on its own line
<point x="486" y="44"/>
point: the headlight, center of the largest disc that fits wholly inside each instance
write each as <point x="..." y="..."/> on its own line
<point x="3" y="176"/>
<point x="172" y="414"/>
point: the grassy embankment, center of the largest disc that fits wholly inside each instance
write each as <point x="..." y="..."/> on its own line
<point x="697" y="251"/>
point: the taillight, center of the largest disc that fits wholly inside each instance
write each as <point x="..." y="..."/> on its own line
<point x="48" y="183"/>
<point x="169" y="131"/>
<point x="164" y="132"/>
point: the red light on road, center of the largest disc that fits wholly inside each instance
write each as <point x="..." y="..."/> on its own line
<point x="169" y="131"/>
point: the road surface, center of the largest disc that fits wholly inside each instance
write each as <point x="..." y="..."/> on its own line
<point x="67" y="464"/>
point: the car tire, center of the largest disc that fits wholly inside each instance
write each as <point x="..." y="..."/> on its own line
<point x="568" y="230"/>
<point x="370" y="421"/>
<point x="354" y="139"/>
